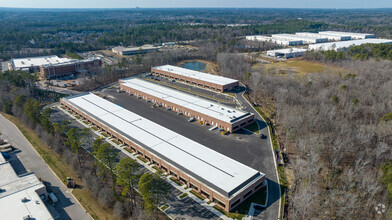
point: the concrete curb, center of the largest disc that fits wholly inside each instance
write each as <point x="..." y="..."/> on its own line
<point x="252" y="206"/>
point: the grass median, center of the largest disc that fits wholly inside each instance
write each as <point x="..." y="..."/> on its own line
<point x="62" y="170"/>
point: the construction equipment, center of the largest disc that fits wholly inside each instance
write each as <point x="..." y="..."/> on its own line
<point x="224" y="132"/>
<point x="70" y="182"/>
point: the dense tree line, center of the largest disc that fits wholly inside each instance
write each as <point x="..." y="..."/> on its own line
<point x="112" y="183"/>
<point x="59" y="31"/>
<point x="336" y="130"/>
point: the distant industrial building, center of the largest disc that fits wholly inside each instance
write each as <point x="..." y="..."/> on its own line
<point x="287" y="53"/>
<point x="205" y="80"/>
<point x="354" y="36"/>
<point x="72" y="67"/>
<point x="328" y="36"/>
<point x="135" y="50"/>
<point x="278" y="41"/>
<point x="215" y="114"/>
<point x="304" y="39"/>
<point x="212" y="175"/>
<point x="32" y="64"/>
<point x="21" y="197"/>
<point x="344" y="45"/>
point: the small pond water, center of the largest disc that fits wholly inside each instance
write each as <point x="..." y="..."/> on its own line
<point x="195" y="65"/>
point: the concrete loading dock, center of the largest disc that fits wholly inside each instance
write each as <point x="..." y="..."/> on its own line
<point x="213" y="175"/>
<point x="221" y="116"/>
<point x="205" y="80"/>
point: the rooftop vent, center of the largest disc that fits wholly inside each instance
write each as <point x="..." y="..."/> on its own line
<point x="24" y="199"/>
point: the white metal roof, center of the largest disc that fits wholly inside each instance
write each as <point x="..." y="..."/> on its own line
<point x="345" y="44"/>
<point x="215" y="170"/>
<point x="298" y="37"/>
<point x="325" y="35"/>
<point x="144" y="47"/>
<point x="15" y="189"/>
<point x="220" y="80"/>
<point x="342" y="33"/>
<point x="37" y="61"/>
<point x="273" y="39"/>
<point x="288" y="50"/>
<point x="73" y="62"/>
<point x="204" y="106"/>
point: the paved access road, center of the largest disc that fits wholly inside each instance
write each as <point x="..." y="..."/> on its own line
<point x="26" y="159"/>
<point x="273" y="205"/>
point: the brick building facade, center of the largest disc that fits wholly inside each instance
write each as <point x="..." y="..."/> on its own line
<point x="70" y="68"/>
<point x="200" y="79"/>
<point x="230" y="125"/>
<point x="225" y="202"/>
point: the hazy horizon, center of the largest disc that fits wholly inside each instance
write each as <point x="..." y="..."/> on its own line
<point x="126" y="4"/>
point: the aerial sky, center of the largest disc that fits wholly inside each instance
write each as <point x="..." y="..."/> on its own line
<point x="197" y="3"/>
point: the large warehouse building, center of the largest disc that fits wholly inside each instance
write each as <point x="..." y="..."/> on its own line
<point x="72" y="67"/>
<point x="287" y="53"/>
<point x="354" y="36"/>
<point x="205" y="80"/>
<point x="344" y="45"/>
<point x="278" y="41"/>
<point x="32" y="64"/>
<point x="211" y="174"/>
<point x="21" y="197"/>
<point x="304" y="39"/>
<point x="328" y="36"/>
<point x="217" y="115"/>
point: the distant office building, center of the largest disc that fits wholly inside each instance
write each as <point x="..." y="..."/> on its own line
<point x="275" y="40"/>
<point x="169" y="44"/>
<point x="304" y="39"/>
<point x="287" y="53"/>
<point x="135" y="50"/>
<point x="32" y="64"/>
<point x="205" y="80"/>
<point x="217" y="115"/>
<point x="354" y="36"/>
<point x="344" y="45"/>
<point x="21" y="197"/>
<point x="73" y="67"/>
<point x="330" y="37"/>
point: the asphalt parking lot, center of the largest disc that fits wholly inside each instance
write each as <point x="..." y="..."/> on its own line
<point x="242" y="146"/>
<point x="187" y="208"/>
